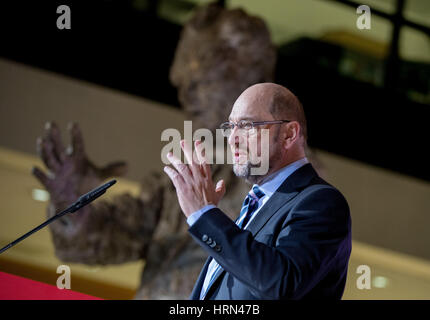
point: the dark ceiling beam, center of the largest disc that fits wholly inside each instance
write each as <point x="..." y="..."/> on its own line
<point x="388" y="16"/>
<point x="393" y="59"/>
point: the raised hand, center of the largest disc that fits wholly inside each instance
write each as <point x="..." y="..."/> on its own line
<point x="70" y="172"/>
<point x="193" y="182"/>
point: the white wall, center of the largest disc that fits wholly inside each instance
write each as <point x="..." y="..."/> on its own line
<point x="115" y="125"/>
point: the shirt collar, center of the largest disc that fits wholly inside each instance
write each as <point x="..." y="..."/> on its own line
<point x="273" y="182"/>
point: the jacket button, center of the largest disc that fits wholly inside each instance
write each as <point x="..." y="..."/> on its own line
<point x="209" y="241"/>
<point x="205" y="238"/>
<point x="212" y="245"/>
<point x="217" y="248"/>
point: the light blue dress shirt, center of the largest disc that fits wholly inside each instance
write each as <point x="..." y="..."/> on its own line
<point x="269" y="185"/>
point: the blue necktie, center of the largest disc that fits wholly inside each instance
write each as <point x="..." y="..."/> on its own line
<point x="250" y="204"/>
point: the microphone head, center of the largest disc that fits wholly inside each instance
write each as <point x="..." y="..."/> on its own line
<point x="95" y="193"/>
<point x="110" y="183"/>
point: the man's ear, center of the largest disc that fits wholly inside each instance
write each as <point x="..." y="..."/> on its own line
<point x="292" y="133"/>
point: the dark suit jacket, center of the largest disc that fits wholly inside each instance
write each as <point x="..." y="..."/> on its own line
<point x="296" y="247"/>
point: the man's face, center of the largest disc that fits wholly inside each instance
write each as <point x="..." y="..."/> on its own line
<point x="251" y="149"/>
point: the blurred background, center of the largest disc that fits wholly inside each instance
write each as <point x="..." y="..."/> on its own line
<point x="366" y="95"/>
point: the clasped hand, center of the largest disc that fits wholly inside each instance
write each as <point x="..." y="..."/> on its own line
<point x="193" y="181"/>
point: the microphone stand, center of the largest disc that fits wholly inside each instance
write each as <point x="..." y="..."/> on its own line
<point x="82" y="201"/>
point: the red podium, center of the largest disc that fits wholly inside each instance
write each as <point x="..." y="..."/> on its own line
<point x="17" y="288"/>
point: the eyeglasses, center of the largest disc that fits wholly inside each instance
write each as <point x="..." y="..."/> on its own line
<point x="227" y="127"/>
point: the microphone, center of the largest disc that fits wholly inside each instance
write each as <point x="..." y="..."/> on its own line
<point x="82" y="201"/>
<point x="91" y="196"/>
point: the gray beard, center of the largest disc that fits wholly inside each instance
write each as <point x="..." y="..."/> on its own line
<point x="244" y="171"/>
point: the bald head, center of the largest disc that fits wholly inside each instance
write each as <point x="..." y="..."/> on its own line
<point x="276" y="100"/>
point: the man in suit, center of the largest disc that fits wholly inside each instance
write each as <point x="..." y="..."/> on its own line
<point x="292" y="239"/>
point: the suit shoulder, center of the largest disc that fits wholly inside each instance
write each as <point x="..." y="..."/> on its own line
<point x="322" y="194"/>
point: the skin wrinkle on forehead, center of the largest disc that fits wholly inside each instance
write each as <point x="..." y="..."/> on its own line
<point x="243" y="118"/>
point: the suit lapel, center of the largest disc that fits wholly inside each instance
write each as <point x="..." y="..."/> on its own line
<point x="286" y="191"/>
<point x="220" y="272"/>
<point x="195" y="294"/>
